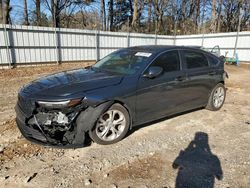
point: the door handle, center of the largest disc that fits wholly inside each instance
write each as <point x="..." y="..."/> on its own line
<point x="212" y="73"/>
<point x="180" y="78"/>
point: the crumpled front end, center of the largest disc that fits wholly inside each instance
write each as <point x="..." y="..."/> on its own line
<point x="60" y="127"/>
<point x="56" y="127"/>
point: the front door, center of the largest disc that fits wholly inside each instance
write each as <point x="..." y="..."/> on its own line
<point x="163" y="95"/>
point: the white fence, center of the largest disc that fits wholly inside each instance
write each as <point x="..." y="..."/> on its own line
<point x="28" y="44"/>
<point x="226" y="41"/>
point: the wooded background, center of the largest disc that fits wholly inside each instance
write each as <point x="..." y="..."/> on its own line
<point x="169" y="17"/>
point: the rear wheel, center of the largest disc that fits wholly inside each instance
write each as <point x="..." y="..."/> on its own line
<point x="217" y="97"/>
<point x="112" y="125"/>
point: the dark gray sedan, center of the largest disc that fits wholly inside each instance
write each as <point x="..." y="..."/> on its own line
<point x="127" y="88"/>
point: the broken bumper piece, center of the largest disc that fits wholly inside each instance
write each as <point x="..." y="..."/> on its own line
<point x="52" y="128"/>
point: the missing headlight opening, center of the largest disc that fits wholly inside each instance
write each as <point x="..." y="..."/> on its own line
<point x="57" y="126"/>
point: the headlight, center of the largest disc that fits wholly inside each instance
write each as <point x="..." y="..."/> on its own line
<point x="59" y="104"/>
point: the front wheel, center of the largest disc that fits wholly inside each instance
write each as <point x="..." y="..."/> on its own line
<point x="112" y="126"/>
<point x="217" y="97"/>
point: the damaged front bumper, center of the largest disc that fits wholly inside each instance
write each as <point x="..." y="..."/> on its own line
<point x="51" y="128"/>
<point x="65" y="128"/>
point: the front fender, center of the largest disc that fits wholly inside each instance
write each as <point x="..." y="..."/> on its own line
<point x="87" y="119"/>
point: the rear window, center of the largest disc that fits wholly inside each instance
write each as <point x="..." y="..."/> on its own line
<point x="213" y="61"/>
<point x="195" y="59"/>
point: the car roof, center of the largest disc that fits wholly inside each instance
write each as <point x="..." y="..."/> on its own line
<point x="160" y="48"/>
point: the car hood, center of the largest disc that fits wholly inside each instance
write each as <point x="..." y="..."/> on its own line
<point x="70" y="82"/>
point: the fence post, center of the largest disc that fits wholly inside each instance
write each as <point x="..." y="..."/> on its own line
<point x="202" y="40"/>
<point x="7" y="45"/>
<point x="97" y="45"/>
<point x="56" y="47"/>
<point x="236" y="43"/>
<point x="238" y="30"/>
<point x="128" y="39"/>
<point x="155" y="38"/>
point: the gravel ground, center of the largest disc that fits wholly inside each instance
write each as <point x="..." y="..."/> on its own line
<point x="209" y="148"/>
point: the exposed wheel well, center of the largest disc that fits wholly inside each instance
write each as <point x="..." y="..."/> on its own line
<point x="222" y="82"/>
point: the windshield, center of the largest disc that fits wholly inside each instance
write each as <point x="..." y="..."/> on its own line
<point x="123" y="61"/>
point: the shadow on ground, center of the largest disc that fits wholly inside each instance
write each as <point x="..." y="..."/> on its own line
<point x="197" y="165"/>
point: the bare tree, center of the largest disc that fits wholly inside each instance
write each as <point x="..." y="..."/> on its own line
<point x="6" y="11"/>
<point x="245" y="20"/>
<point x="135" y="15"/>
<point x="231" y="15"/>
<point x="159" y="7"/>
<point x="56" y="7"/>
<point x="197" y="15"/>
<point x="111" y="15"/>
<point x="25" y="13"/>
<point x="204" y="3"/>
<point x="55" y="13"/>
<point x="38" y="12"/>
<point x="191" y="9"/>
<point x="183" y="16"/>
<point x="1" y="12"/>
<point x="213" y="21"/>
<point x="103" y="15"/>
<point x="149" y="15"/>
<point x="131" y="12"/>
<point x="219" y="16"/>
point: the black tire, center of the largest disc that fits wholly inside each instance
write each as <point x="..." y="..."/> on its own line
<point x="93" y="133"/>
<point x="211" y="103"/>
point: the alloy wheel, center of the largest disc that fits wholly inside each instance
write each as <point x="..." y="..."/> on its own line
<point x="218" y="97"/>
<point x="110" y="125"/>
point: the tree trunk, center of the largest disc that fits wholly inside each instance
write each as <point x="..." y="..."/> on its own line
<point x="1" y="12"/>
<point x="55" y="13"/>
<point x="191" y="9"/>
<point x="119" y="2"/>
<point x="103" y="17"/>
<point x="203" y="16"/>
<point x="197" y="15"/>
<point x="135" y="16"/>
<point x="131" y="12"/>
<point x="6" y="12"/>
<point x="213" y="23"/>
<point x="183" y="16"/>
<point x="38" y="13"/>
<point x="149" y="14"/>
<point x="25" y="13"/>
<point x="111" y="15"/>
<point x="158" y="14"/>
<point x="160" y="21"/>
<point x="52" y="12"/>
<point x="219" y="16"/>
<point x="101" y="8"/>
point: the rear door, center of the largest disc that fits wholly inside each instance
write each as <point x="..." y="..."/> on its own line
<point x="199" y="78"/>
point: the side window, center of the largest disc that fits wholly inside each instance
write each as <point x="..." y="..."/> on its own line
<point x="169" y="61"/>
<point x="195" y="59"/>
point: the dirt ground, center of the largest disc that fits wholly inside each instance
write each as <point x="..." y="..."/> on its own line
<point x="204" y="147"/>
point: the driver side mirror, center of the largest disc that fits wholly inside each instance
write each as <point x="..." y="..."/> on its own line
<point x="153" y="72"/>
